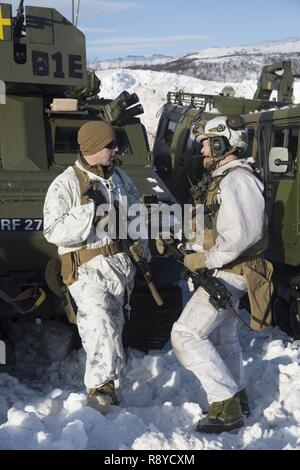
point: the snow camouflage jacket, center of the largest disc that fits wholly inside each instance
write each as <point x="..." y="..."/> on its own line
<point x="237" y="237"/>
<point x="69" y="224"/>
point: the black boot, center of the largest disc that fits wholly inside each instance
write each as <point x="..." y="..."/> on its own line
<point x="244" y="402"/>
<point x="103" y="397"/>
<point x="222" y="416"/>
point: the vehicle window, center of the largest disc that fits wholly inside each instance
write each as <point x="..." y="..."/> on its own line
<point x="123" y="143"/>
<point x="248" y="152"/>
<point x="288" y="137"/>
<point x="66" y="141"/>
<point x="169" y="132"/>
<point x="292" y="144"/>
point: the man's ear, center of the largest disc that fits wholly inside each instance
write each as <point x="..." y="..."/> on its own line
<point x="218" y="146"/>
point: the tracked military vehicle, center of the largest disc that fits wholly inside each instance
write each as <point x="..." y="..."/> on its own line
<point x="47" y="94"/>
<point x="175" y="154"/>
<point x="274" y="134"/>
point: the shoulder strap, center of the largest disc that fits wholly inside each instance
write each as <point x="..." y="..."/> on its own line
<point x="83" y="181"/>
<point x="82" y="177"/>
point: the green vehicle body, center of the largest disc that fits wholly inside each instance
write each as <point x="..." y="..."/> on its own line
<point x="272" y="124"/>
<point x="175" y="155"/>
<point x="280" y="129"/>
<point x="42" y="59"/>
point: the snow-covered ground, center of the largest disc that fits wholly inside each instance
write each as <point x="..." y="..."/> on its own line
<point x="43" y="406"/>
<point x="152" y="88"/>
<point x="42" y="398"/>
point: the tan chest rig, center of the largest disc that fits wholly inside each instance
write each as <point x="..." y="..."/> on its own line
<point x="71" y="261"/>
<point x="251" y="265"/>
<point x="62" y="271"/>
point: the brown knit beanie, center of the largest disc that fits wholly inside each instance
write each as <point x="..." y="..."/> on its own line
<point x="94" y="136"/>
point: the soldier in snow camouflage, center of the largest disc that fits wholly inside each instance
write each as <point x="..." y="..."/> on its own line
<point x="98" y="273"/>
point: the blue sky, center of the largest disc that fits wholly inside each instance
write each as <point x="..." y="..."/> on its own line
<point x="116" y="28"/>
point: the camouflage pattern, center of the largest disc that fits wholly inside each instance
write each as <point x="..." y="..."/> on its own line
<point x="102" y="281"/>
<point x="99" y="297"/>
<point x="204" y="339"/>
<point x="206" y="342"/>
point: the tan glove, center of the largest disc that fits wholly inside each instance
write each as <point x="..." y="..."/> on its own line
<point x="195" y="261"/>
<point x="160" y="246"/>
<point x="137" y="252"/>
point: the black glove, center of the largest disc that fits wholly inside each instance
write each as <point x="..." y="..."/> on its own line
<point x="94" y="194"/>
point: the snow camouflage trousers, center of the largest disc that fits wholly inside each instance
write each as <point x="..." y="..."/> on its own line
<point x="206" y="341"/>
<point x="99" y="297"/>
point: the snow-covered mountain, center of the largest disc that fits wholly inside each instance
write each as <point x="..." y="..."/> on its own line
<point x="130" y="61"/>
<point x="233" y="64"/>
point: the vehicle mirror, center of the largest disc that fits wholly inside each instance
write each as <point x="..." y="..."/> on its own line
<point x="278" y="160"/>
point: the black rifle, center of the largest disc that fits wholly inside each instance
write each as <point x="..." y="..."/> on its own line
<point x="219" y="295"/>
<point x="128" y="246"/>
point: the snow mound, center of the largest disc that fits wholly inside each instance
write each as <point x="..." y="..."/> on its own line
<point x="153" y="87"/>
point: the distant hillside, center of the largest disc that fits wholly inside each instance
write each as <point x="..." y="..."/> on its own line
<point x="233" y="64"/>
<point x="130" y="61"/>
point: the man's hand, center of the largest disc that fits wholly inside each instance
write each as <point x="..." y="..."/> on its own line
<point x="92" y="193"/>
<point x="137" y="252"/>
<point x="160" y="246"/>
<point x="195" y="261"/>
<point x="161" y="240"/>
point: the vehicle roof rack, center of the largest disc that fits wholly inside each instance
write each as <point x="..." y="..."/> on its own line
<point x="208" y="102"/>
<point x="193" y="100"/>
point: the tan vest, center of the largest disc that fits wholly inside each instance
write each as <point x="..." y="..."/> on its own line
<point x="251" y="265"/>
<point x="71" y="261"/>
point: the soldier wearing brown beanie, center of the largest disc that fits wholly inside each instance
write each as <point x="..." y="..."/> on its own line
<point x="98" y="273"/>
<point x="97" y="144"/>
